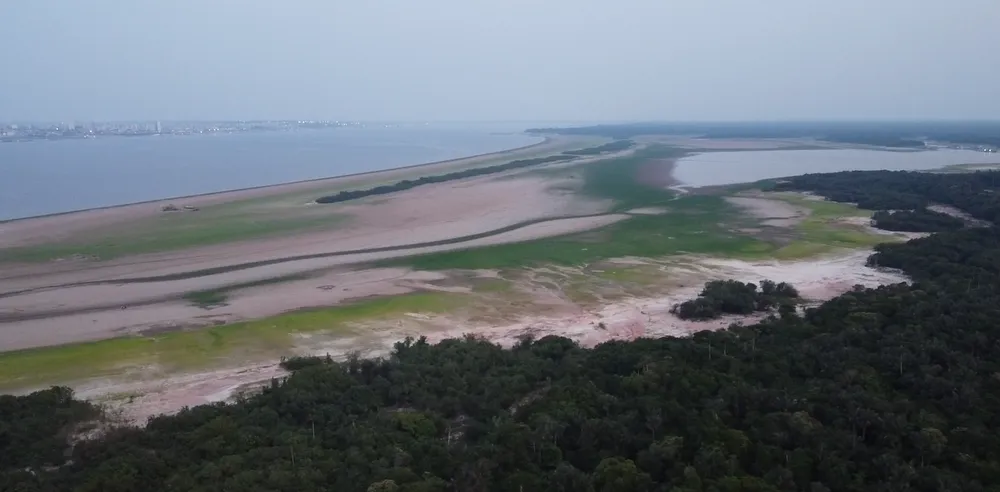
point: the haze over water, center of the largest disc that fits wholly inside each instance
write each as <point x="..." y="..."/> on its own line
<point x="46" y="177"/>
<point x="722" y="168"/>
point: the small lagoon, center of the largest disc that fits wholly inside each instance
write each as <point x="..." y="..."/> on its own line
<point x="723" y="168"/>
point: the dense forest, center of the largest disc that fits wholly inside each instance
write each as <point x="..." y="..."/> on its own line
<point x="720" y="297"/>
<point x="407" y="184"/>
<point x="919" y="220"/>
<point x="34" y="429"/>
<point x="888" y="389"/>
<point x="978" y="193"/>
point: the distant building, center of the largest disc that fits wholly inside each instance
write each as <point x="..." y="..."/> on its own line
<point x="159" y="127"/>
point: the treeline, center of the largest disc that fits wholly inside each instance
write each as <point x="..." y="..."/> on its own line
<point x="963" y="260"/>
<point x="407" y="184"/>
<point x="34" y="429"/>
<point x="615" y="146"/>
<point x="978" y="193"/>
<point x="720" y="297"/>
<point x="876" y="140"/>
<point x="887" y="134"/>
<point x="919" y="220"/>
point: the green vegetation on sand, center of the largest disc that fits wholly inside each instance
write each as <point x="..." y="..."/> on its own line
<point x="172" y="231"/>
<point x="186" y="350"/>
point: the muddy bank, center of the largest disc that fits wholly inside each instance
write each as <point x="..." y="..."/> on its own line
<point x="658" y="173"/>
<point x="552" y="313"/>
<point x="87" y="312"/>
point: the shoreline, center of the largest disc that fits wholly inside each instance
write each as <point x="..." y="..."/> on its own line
<point x="545" y="140"/>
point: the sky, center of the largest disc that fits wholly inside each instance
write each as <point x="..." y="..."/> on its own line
<point x="492" y="60"/>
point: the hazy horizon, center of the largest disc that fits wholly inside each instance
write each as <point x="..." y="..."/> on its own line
<point x="451" y="61"/>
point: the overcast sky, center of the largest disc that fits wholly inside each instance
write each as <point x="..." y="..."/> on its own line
<point x="499" y="59"/>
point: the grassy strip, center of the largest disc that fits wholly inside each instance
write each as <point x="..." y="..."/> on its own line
<point x="254" y="264"/>
<point x="263" y="339"/>
<point x="206" y="298"/>
<point x="177" y="230"/>
<point x="407" y="184"/>
<point x="824" y="230"/>
<point x="693" y="225"/>
<point x="243" y="219"/>
<point x="617" y="179"/>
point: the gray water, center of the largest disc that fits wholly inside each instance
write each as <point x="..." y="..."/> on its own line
<point x="46" y="177"/>
<point x="722" y="168"/>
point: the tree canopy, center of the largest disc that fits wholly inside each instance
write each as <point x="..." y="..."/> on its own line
<point x="734" y="297"/>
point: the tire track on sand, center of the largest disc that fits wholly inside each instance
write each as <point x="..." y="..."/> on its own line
<point x="331" y="254"/>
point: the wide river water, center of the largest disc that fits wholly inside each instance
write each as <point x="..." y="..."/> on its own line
<point x="45" y="177"/>
<point x="721" y="168"/>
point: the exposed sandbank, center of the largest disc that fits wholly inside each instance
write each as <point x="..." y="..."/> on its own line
<point x="63" y="302"/>
<point x="47" y="228"/>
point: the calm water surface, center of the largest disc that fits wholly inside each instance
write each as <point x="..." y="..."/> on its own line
<point x="45" y="177"/>
<point x="721" y="168"/>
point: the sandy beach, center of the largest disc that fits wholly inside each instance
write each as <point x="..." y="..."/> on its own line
<point x="32" y="230"/>
<point x="73" y="300"/>
<point x="621" y="318"/>
<point x="78" y="299"/>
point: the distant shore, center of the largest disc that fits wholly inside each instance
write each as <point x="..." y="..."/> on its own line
<point x="289" y="186"/>
<point x="42" y="229"/>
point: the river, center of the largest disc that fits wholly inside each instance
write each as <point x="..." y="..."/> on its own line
<point x="721" y="168"/>
<point x="45" y="177"/>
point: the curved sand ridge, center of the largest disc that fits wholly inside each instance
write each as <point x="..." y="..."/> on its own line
<point x="70" y="301"/>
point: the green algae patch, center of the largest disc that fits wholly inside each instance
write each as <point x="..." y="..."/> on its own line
<point x="204" y="348"/>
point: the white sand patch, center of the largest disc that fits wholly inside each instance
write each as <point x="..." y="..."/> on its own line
<point x="817" y="280"/>
<point x="959" y="214"/>
<point x="775" y="213"/>
<point x="647" y="211"/>
<point x="139" y="400"/>
<point x="866" y="224"/>
<point x="808" y="195"/>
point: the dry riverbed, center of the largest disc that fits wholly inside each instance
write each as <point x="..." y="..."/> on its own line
<point x="552" y="310"/>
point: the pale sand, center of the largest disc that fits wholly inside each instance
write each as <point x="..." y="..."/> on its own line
<point x="775" y="213"/>
<point x="866" y="224"/>
<point x="647" y="211"/>
<point x="48" y="316"/>
<point x="29" y="231"/>
<point x="623" y="319"/>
